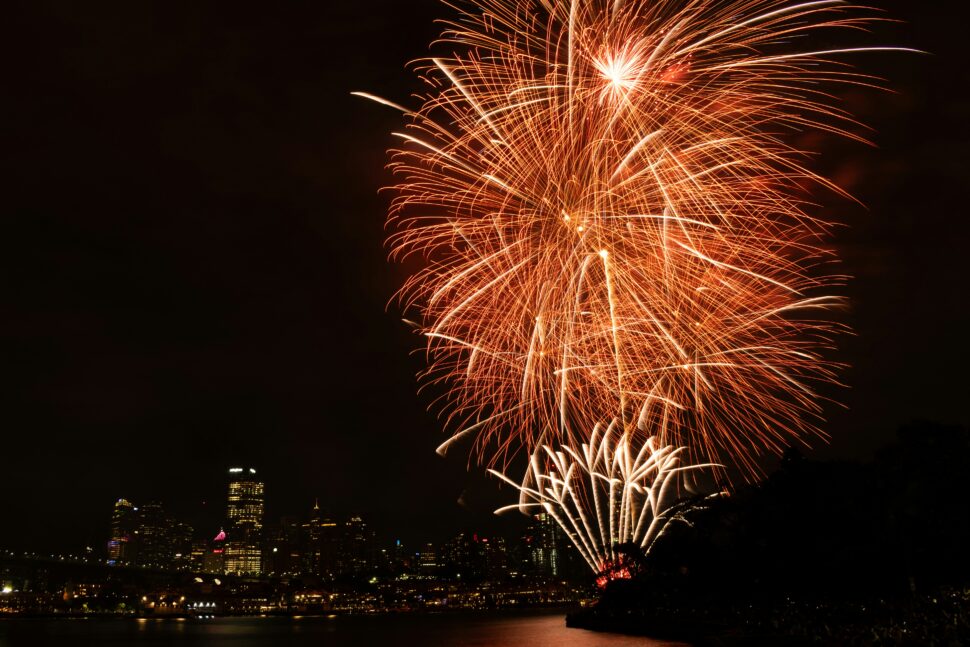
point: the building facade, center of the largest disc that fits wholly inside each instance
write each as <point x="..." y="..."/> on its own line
<point x="244" y="522"/>
<point x="123" y="526"/>
<point x="155" y="537"/>
<point x="544" y="540"/>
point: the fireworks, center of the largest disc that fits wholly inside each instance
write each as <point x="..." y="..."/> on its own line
<point x="612" y="219"/>
<point x="605" y="493"/>
<point x="614" y="223"/>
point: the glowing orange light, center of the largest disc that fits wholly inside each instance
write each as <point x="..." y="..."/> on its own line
<point x="655" y="131"/>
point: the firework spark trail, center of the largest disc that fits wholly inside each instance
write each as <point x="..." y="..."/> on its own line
<point x="605" y="493"/>
<point x="611" y="216"/>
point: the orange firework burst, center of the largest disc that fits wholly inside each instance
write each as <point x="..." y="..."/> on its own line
<point x="613" y="220"/>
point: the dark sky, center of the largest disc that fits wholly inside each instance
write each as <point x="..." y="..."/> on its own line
<point x="194" y="272"/>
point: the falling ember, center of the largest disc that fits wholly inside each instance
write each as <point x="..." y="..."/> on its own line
<point x="613" y="222"/>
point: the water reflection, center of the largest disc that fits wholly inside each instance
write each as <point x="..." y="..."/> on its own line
<point x="497" y="630"/>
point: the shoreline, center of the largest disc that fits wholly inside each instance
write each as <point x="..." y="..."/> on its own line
<point x="565" y="610"/>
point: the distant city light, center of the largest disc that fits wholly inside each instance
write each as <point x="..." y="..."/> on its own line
<point x="155" y="541"/>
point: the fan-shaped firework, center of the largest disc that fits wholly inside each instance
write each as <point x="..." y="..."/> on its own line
<point x="606" y="493"/>
<point x="611" y="216"/>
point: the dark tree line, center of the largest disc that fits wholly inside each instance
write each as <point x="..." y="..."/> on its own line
<point x="816" y="549"/>
<point x="892" y="526"/>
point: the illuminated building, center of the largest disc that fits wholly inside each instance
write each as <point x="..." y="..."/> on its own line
<point x="182" y="549"/>
<point x="244" y="515"/>
<point x="358" y="554"/>
<point x="154" y="537"/>
<point x="398" y="557"/>
<point x="543" y="543"/>
<point x="214" y="559"/>
<point x="282" y="550"/>
<point x="197" y="553"/>
<point x="123" y="522"/>
<point x="148" y="537"/>
<point x="427" y="560"/>
<point x="337" y="549"/>
<point x="323" y="544"/>
<point x="462" y="557"/>
<point x="496" y="559"/>
<point x="474" y="557"/>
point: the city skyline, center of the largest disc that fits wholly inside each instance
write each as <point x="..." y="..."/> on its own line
<point x="245" y="540"/>
<point x="213" y="515"/>
<point x="155" y="565"/>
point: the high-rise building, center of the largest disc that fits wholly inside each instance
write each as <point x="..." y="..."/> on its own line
<point x="123" y="525"/>
<point x="282" y="547"/>
<point x="244" y="515"/>
<point x="426" y="561"/>
<point x="358" y="554"/>
<point x="398" y="557"/>
<point x="475" y="557"/>
<point x="461" y="556"/>
<point x="323" y="544"/>
<point x="214" y="557"/>
<point x="154" y="536"/>
<point x="197" y="551"/>
<point x="543" y="541"/>
<point x="148" y="537"/>
<point x="182" y="534"/>
<point x="496" y="558"/>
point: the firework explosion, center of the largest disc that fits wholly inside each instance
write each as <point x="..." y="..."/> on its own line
<point x="612" y="222"/>
<point x="605" y="493"/>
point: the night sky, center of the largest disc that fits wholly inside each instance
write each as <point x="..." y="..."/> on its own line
<point x="195" y="273"/>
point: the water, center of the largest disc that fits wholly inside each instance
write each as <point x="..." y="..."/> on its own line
<point x="495" y="630"/>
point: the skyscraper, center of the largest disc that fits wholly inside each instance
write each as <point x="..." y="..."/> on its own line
<point x="543" y="540"/>
<point x="214" y="558"/>
<point x="475" y="557"/>
<point x="323" y="551"/>
<point x="244" y="516"/>
<point x="282" y="547"/>
<point x="155" y="537"/>
<point x="123" y="522"/>
<point x="358" y="547"/>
